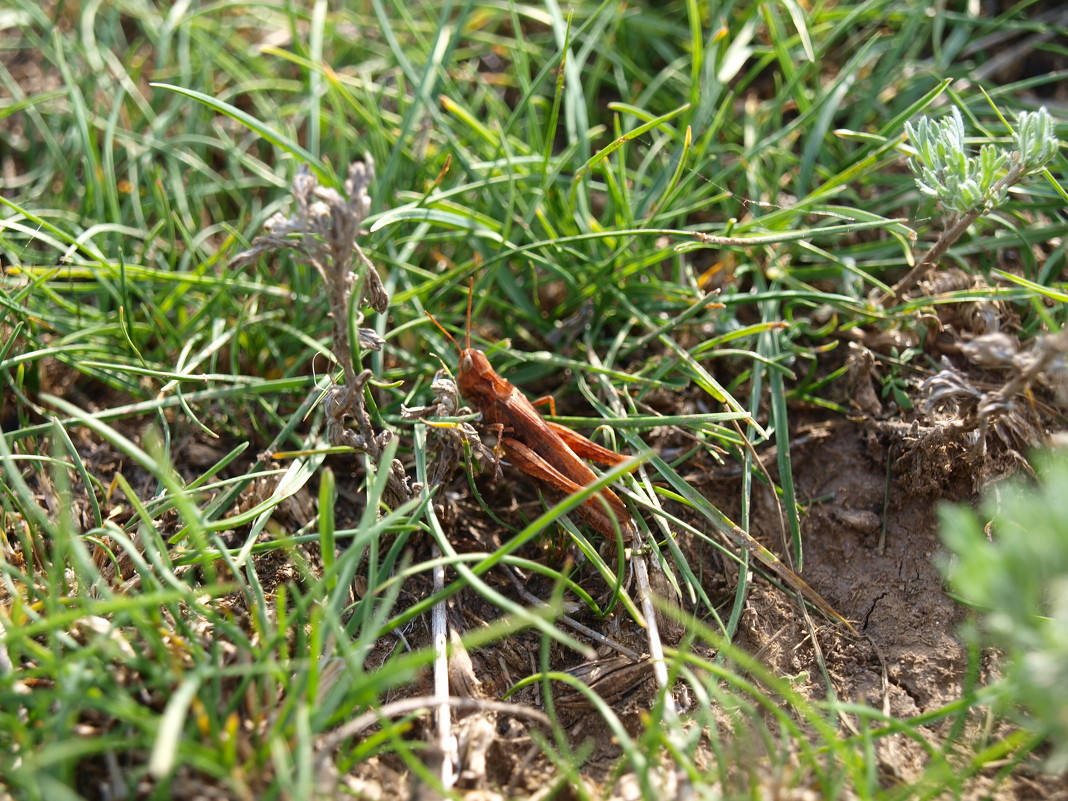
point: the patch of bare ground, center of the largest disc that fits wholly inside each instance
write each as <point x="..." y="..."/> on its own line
<point x="906" y="660"/>
<point x="871" y="537"/>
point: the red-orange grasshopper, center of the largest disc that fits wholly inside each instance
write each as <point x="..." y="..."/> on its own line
<point x="553" y="454"/>
<point x="546" y="451"/>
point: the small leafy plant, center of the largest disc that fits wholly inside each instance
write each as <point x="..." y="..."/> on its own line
<point x="1018" y="579"/>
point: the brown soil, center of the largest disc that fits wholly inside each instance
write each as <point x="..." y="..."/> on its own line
<point x="874" y="563"/>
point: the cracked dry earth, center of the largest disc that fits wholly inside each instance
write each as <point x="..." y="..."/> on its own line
<point x="907" y="659"/>
<point x="871" y="549"/>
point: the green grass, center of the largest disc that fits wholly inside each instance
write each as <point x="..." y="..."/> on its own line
<point x="562" y="157"/>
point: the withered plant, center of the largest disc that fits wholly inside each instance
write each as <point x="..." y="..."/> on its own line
<point x="324" y="229"/>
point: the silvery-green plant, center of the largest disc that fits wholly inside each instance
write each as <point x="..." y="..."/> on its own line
<point x="965" y="183"/>
<point x="969" y="185"/>
<point x="1017" y="577"/>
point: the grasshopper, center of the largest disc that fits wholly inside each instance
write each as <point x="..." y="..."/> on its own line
<point x="553" y="454"/>
<point x="546" y="451"/>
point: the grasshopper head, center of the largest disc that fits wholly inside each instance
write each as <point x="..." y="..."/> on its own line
<point x="478" y="381"/>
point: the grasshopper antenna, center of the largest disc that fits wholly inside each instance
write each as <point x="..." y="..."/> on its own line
<point x="470" y="298"/>
<point x="450" y="337"/>
<point x="441" y="328"/>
